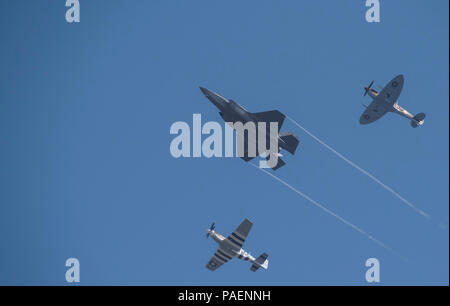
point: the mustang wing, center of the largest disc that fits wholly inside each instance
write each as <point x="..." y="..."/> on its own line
<point x="218" y="259"/>
<point x="237" y="238"/>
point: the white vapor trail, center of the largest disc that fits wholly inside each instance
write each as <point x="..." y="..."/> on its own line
<point x="331" y="212"/>
<point x="418" y="210"/>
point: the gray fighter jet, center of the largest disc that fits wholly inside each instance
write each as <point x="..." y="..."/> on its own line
<point x="386" y="101"/>
<point x="232" y="112"/>
<point x="232" y="247"/>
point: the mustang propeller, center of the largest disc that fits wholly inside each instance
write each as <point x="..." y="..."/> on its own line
<point x="213" y="226"/>
<point x="368" y="88"/>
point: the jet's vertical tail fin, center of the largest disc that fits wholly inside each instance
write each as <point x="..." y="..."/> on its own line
<point x="261" y="261"/>
<point x="289" y="141"/>
<point x="417" y="120"/>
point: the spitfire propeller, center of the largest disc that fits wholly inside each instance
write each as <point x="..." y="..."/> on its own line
<point x="213" y="226"/>
<point x="368" y="88"/>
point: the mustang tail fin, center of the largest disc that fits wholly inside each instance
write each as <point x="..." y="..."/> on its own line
<point x="417" y="120"/>
<point x="289" y="141"/>
<point x="261" y="261"/>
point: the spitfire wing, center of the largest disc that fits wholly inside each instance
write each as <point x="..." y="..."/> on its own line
<point x="373" y="112"/>
<point x="391" y="91"/>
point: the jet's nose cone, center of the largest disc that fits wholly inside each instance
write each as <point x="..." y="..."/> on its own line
<point x="219" y="101"/>
<point x="208" y="93"/>
<point x="204" y="91"/>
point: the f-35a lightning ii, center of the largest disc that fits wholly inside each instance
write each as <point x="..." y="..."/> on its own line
<point x="232" y="113"/>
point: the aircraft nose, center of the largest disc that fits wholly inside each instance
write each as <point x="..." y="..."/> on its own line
<point x="216" y="99"/>
<point x="205" y="91"/>
<point x="208" y="93"/>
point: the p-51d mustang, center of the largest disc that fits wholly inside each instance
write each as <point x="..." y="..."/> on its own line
<point x="232" y="112"/>
<point x="386" y="101"/>
<point x="232" y="247"/>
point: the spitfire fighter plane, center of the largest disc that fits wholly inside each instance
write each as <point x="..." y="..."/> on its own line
<point x="386" y="101"/>
<point x="232" y="247"/>
<point x="232" y="112"/>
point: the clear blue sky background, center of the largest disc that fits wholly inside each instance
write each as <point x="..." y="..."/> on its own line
<point x="85" y="167"/>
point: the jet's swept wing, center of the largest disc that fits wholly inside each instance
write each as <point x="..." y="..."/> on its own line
<point x="267" y="117"/>
<point x="373" y="112"/>
<point x="218" y="259"/>
<point x="270" y="116"/>
<point x="391" y="91"/>
<point x="237" y="238"/>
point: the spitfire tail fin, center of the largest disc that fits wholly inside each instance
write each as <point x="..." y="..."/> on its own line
<point x="289" y="141"/>
<point x="417" y="120"/>
<point x="261" y="261"/>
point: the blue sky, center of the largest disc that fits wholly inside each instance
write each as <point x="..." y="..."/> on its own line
<point x="85" y="167"/>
